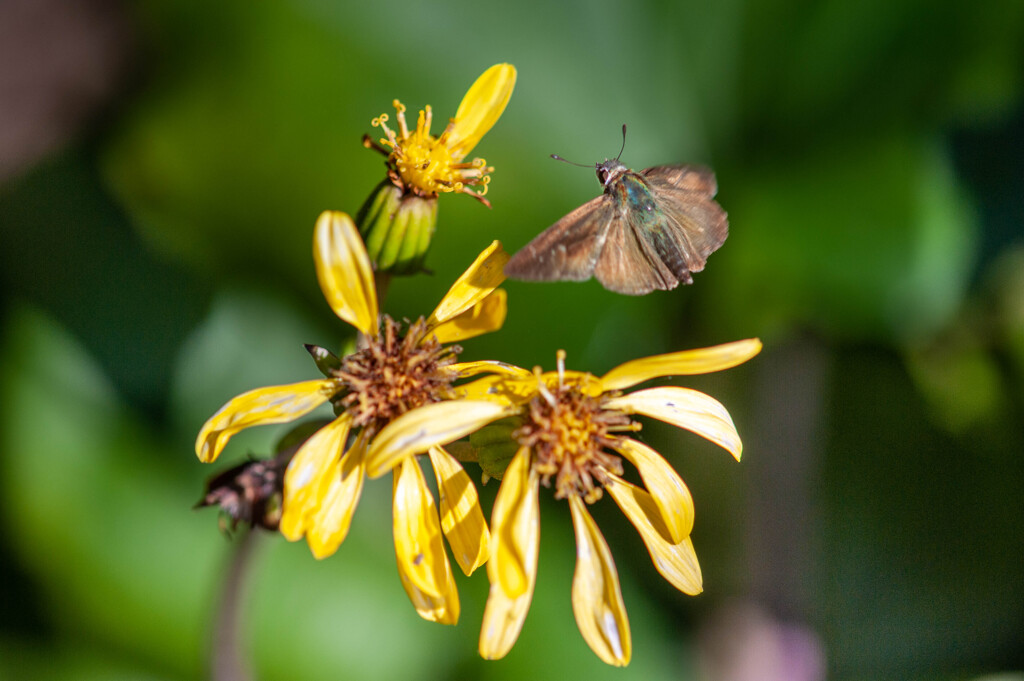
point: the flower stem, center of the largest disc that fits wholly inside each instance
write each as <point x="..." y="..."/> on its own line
<point x="226" y="663"/>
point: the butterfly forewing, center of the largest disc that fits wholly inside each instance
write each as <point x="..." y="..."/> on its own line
<point x="568" y="249"/>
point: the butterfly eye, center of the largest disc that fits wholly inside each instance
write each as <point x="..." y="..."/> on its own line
<point x="602" y="175"/>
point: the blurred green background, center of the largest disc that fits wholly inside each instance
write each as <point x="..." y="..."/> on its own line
<point x="161" y="167"/>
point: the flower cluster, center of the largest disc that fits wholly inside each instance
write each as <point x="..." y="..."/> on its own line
<point x="403" y="394"/>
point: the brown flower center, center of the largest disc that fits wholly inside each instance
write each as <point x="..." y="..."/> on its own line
<point x="568" y="432"/>
<point x="395" y="374"/>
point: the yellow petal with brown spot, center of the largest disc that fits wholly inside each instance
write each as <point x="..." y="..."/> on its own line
<point x="684" y="408"/>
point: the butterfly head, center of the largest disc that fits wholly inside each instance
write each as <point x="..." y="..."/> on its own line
<point x="609" y="171"/>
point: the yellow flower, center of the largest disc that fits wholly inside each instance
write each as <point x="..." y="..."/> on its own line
<point x="426" y="165"/>
<point x="573" y="434"/>
<point x="390" y="375"/>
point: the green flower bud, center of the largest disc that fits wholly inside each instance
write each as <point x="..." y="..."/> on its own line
<point x="397" y="228"/>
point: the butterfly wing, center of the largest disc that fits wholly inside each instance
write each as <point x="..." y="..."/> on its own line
<point x="629" y="264"/>
<point x="694" y="224"/>
<point x="568" y="249"/>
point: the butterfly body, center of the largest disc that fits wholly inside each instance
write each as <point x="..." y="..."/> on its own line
<point x="648" y="231"/>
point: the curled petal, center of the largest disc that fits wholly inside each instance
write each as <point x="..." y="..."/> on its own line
<point x="512" y="569"/>
<point x="486" y="316"/>
<point x="665" y="486"/>
<point x="338" y="499"/>
<point x="479" y="281"/>
<point x="676" y="562"/>
<point x="307" y="475"/>
<point x="684" y="408"/>
<point x="480" y="108"/>
<point x="344" y="271"/>
<point x="422" y="562"/>
<point x="702" y="361"/>
<point x="596" y="597"/>
<point x="461" y="517"/>
<point x="416" y="431"/>
<point x="274" y="404"/>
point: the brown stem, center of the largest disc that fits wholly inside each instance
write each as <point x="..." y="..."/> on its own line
<point x="226" y="663"/>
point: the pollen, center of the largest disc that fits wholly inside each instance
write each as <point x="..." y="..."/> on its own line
<point x="569" y="433"/>
<point x="395" y="374"/>
<point x="424" y="164"/>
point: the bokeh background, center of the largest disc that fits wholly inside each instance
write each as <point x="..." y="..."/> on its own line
<point x="161" y="167"/>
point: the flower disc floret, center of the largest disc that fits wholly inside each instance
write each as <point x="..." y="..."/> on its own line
<point x="569" y="433"/>
<point x="394" y="374"/>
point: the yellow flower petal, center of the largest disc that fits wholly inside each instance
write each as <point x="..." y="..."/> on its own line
<point x="344" y="271"/>
<point x="273" y="404"/>
<point x="702" y="361"/>
<point x="486" y="316"/>
<point x="664" y="485"/>
<point x="422" y="562"/>
<point x="503" y="620"/>
<point x="500" y="388"/>
<point x="483" y="276"/>
<point x="684" y="408"/>
<point x="443" y="609"/>
<point x="307" y="473"/>
<point x="515" y="525"/>
<point x="416" y="431"/>
<point x="467" y="369"/>
<point x="512" y="569"/>
<point x="480" y="108"/>
<point x="461" y="517"/>
<point x="596" y="597"/>
<point x="338" y="499"/>
<point x="676" y="562"/>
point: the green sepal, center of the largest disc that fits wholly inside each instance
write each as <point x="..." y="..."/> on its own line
<point x="494" y="447"/>
<point x="326" y="361"/>
<point x="299" y="434"/>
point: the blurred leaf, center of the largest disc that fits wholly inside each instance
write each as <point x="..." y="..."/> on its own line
<point x="862" y="239"/>
<point x="89" y="507"/>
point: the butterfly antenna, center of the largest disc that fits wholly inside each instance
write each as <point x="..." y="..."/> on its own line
<point x="565" y="160"/>
<point x="623" y="142"/>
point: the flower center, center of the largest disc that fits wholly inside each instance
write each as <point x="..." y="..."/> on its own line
<point x="568" y="432"/>
<point x="423" y="163"/>
<point x="395" y="374"/>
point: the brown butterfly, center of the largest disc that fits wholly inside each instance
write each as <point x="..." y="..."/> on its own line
<point x="649" y="230"/>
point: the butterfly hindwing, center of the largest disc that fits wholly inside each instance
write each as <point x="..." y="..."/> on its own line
<point x="696" y="225"/>
<point x="629" y="264"/>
